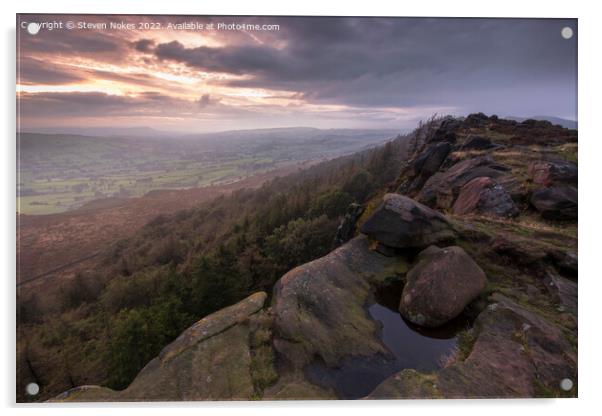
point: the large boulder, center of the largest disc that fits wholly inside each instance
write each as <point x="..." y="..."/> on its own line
<point x="556" y="202"/>
<point x="547" y="173"/>
<point x="441" y="189"/>
<point x="431" y="159"/>
<point x="428" y="163"/>
<point x="441" y="284"/>
<point x="401" y="222"/>
<point x="320" y="320"/>
<point x="446" y="132"/>
<point x="484" y="195"/>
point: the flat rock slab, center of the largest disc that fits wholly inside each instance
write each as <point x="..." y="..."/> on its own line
<point x="484" y="195"/>
<point x="209" y="361"/>
<point x="213" y="324"/>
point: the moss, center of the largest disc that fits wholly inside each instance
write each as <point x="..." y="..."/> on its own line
<point x="466" y="341"/>
<point x="262" y="367"/>
<point x="370" y="207"/>
<point x="540" y="390"/>
<point x="426" y="382"/>
<point x="295" y="387"/>
<point x="255" y="396"/>
<point x="393" y="272"/>
<point x="496" y="136"/>
<point x="408" y="384"/>
<point x="263" y="371"/>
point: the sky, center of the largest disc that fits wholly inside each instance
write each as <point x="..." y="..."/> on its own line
<point x="202" y="74"/>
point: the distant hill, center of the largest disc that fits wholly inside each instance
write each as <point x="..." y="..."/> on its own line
<point x="103" y="131"/>
<point x="569" y="124"/>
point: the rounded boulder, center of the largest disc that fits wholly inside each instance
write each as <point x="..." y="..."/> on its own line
<point x="440" y="285"/>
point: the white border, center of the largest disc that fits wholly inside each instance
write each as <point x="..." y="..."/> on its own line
<point x="590" y="234"/>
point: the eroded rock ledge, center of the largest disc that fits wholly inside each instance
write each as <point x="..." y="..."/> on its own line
<point x="209" y="361"/>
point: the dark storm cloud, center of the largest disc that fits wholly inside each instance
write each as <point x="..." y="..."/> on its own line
<point x="403" y="62"/>
<point x="504" y="66"/>
<point x="91" y="104"/>
<point x="75" y="104"/>
<point x="35" y="71"/>
<point x="144" y="45"/>
<point x="248" y="59"/>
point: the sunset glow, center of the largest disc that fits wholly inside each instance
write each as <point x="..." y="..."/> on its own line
<point x="335" y="73"/>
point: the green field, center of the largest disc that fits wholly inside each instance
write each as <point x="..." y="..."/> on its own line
<point x="58" y="173"/>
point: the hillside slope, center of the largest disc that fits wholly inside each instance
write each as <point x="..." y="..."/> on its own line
<point x="103" y="319"/>
<point x="499" y="194"/>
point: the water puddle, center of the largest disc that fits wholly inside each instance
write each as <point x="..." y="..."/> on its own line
<point x="411" y="347"/>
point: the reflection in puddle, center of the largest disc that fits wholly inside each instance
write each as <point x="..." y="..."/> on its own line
<point x="411" y="347"/>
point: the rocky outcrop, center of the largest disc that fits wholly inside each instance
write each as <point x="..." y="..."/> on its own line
<point x="542" y="132"/>
<point x="212" y="360"/>
<point x="440" y="285"/>
<point x="484" y="195"/>
<point x="426" y="164"/>
<point x="441" y="190"/>
<point x="446" y="132"/>
<point x="478" y="143"/>
<point x="548" y="173"/>
<point x="401" y="222"/>
<point x="556" y="202"/>
<point x="319" y="315"/>
<point x="516" y="353"/>
<point x="476" y="120"/>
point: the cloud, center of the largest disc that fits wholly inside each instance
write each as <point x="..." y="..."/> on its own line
<point x="144" y="45"/>
<point x="234" y="59"/>
<point x="96" y="104"/>
<point x="207" y="100"/>
<point x="34" y="71"/>
<point x="78" y="104"/>
<point x="400" y="61"/>
<point x="372" y="65"/>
